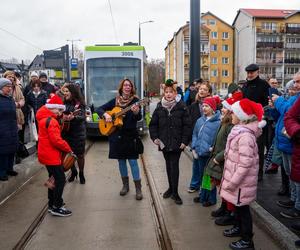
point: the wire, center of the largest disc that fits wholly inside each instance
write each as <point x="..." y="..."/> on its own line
<point x="113" y="21"/>
<point x="21" y="39"/>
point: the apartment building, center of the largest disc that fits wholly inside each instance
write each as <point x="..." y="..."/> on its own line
<point x="270" y="38"/>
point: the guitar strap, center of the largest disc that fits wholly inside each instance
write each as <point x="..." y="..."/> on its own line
<point x="48" y="122"/>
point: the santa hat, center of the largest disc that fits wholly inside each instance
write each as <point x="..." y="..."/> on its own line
<point x="237" y="96"/>
<point x="246" y="109"/>
<point x="212" y="102"/>
<point x="55" y="102"/>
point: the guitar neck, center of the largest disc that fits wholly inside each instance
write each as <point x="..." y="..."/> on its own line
<point x="125" y="110"/>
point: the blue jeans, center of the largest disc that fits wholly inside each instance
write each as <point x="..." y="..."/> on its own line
<point x="197" y="174"/>
<point x="134" y="168"/>
<point x="297" y="193"/>
<point x="208" y="195"/>
<point x="287" y="163"/>
<point x="6" y="163"/>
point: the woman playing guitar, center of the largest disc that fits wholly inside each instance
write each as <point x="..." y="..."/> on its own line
<point x="73" y="130"/>
<point x="122" y="142"/>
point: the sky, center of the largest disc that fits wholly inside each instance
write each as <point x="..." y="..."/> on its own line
<point x="47" y="24"/>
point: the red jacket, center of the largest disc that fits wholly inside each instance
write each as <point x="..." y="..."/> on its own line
<point x="292" y="126"/>
<point x="51" y="145"/>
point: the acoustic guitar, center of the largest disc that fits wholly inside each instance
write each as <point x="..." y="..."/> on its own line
<point x="107" y="128"/>
<point x="65" y="125"/>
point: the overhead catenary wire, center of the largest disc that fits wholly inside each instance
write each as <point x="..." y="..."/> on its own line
<point x="21" y="39"/>
<point x="113" y="22"/>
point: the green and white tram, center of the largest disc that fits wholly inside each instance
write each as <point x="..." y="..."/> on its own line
<point x="104" y="67"/>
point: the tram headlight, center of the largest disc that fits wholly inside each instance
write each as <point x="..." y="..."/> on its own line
<point x="88" y="115"/>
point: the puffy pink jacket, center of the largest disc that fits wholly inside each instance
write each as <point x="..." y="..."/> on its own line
<point x="239" y="182"/>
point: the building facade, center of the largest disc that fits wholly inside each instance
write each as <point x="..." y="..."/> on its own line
<point x="270" y="38"/>
<point x="216" y="53"/>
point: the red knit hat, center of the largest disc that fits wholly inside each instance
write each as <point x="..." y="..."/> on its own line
<point x="236" y="96"/>
<point x="245" y="109"/>
<point x="55" y="102"/>
<point x="212" y="102"/>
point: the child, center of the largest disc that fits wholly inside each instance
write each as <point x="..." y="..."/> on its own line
<point x="50" y="147"/>
<point x="170" y="129"/>
<point x="239" y="182"/>
<point x="203" y="138"/>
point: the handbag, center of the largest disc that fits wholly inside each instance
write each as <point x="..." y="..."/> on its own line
<point x="22" y="150"/>
<point x="139" y="146"/>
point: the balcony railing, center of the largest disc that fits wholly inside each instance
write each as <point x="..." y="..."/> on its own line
<point x="269" y="45"/>
<point x="263" y="30"/>
<point x="263" y="61"/>
<point x="292" y="60"/>
<point x="292" y="45"/>
<point x="293" y="30"/>
<point x="277" y="75"/>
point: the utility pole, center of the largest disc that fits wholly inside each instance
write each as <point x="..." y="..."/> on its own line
<point x="194" y="40"/>
<point x="72" y="42"/>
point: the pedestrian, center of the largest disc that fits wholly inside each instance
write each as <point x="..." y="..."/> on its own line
<point x="75" y="131"/>
<point x="257" y="90"/>
<point x="123" y="141"/>
<point x="170" y="130"/>
<point x="50" y="148"/>
<point x="48" y="87"/>
<point x="292" y="125"/>
<point x="203" y="138"/>
<point x="239" y="182"/>
<point x="9" y="130"/>
<point x="215" y="164"/>
<point x="190" y="94"/>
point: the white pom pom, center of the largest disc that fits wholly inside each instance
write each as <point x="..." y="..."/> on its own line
<point x="230" y="95"/>
<point x="262" y="123"/>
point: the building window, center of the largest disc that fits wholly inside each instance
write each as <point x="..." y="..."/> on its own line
<point x="225" y="35"/>
<point x="214" y="60"/>
<point x="268" y="26"/>
<point x="225" y="47"/>
<point x="214" y="47"/>
<point x="225" y="60"/>
<point x="214" y="72"/>
<point x="214" y="34"/>
<point x="212" y="22"/>
<point x="225" y="72"/>
<point x="224" y="85"/>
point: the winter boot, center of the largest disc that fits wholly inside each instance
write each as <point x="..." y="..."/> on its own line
<point x="220" y="211"/>
<point x="138" y="188"/>
<point x="226" y="220"/>
<point x="125" y="188"/>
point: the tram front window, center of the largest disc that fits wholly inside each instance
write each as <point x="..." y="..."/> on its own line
<point x="105" y="74"/>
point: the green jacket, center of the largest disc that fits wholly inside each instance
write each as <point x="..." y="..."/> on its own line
<point x="213" y="169"/>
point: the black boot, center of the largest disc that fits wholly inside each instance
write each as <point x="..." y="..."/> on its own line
<point x="125" y="188"/>
<point x="167" y="194"/>
<point x="81" y="177"/>
<point x="221" y="211"/>
<point x="177" y="199"/>
<point x="226" y="220"/>
<point x="73" y="174"/>
<point x="138" y="188"/>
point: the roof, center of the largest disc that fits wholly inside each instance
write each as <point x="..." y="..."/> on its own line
<point x="269" y="13"/>
<point x="209" y="13"/>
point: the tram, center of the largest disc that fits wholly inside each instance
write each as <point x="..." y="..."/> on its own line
<point x="104" y="67"/>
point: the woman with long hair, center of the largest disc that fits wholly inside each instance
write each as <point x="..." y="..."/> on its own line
<point x="74" y="129"/>
<point x="122" y="142"/>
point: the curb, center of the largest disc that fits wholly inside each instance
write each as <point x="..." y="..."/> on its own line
<point x="283" y="237"/>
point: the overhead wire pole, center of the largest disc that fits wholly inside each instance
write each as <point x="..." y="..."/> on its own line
<point x="113" y="22"/>
<point x="72" y="42"/>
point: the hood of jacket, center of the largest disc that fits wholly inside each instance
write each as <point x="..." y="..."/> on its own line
<point x="250" y="127"/>
<point x="44" y="112"/>
<point x="215" y="117"/>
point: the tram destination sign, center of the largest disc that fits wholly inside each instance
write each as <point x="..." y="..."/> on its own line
<point x="54" y="59"/>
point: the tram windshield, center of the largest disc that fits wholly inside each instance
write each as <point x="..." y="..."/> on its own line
<point x="104" y="75"/>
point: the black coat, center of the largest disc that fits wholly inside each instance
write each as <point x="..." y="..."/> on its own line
<point x="122" y="142"/>
<point x="171" y="128"/>
<point x="36" y="102"/>
<point x="8" y="126"/>
<point x="195" y="112"/>
<point x="257" y="90"/>
<point x="48" y="87"/>
<point x="76" y="135"/>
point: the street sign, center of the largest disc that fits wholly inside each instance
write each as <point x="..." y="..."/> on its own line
<point x="74" y="63"/>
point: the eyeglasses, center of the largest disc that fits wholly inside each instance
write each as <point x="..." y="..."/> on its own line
<point x="297" y="81"/>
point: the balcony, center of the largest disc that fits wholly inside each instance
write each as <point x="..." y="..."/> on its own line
<point x="264" y="61"/>
<point x="204" y="52"/>
<point x="292" y="45"/>
<point x="292" y="30"/>
<point x="278" y="45"/>
<point x="277" y="75"/>
<point x="292" y="60"/>
<point x="262" y="30"/>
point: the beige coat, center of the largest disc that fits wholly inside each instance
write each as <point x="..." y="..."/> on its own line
<point x="20" y="102"/>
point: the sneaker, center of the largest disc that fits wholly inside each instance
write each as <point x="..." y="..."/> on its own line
<point x="295" y="228"/>
<point x="62" y="212"/>
<point x="242" y="244"/>
<point x="292" y="213"/>
<point x="12" y="173"/>
<point x="50" y="208"/>
<point x="286" y="204"/>
<point x="208" y="204"/>
<point x="4" y="178"/>
<point x="273" y="169"/>
<point x="232" y="232"/>
<point x="167" y="194"/>
<point x="197" y="199"/>
<point x="192" y="190"/>
<point x="177" y="199"/>
<point x="225" y="220"/>
<point x="284" y="191"/>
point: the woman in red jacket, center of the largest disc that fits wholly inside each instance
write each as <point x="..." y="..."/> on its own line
<point x="50" y="148"/>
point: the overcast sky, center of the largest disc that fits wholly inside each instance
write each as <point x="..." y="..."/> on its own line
<point x="47" y="24"/>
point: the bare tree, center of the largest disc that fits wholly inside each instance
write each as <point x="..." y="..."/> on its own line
<point x="156" y="73"/>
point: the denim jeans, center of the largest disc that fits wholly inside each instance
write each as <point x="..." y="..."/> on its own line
<point x="287" y="163"/>
<point x="134" y="168"/>
<point x="208" y="195"/>
<point x="297" y="200"/>
<point x="198" y="169"/>
<point x="6" y="163"/>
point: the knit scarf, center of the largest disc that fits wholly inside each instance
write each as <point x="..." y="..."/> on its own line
<point x="168" y="104"/>
<point x="123" y="101"/>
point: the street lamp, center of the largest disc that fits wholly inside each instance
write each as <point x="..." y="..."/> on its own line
<point x="140" y="23"/>
<point x="238" y="49"/>
<point x="72" y="41"/>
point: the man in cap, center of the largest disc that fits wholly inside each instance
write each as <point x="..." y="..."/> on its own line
<point x="49" y="88"/>
<point x="257" y="90"/>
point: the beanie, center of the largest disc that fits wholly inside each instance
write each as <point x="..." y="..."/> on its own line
<point x="43" y="74"/>
<point x="211" y="102"/>
<point x="246" y="109"/>
<point x="55" y="102"/>
<point x="232" y="88"/>
<point x="34" y="74"/>
<point x="237" y="96"/>
<point x="4" y="82"/>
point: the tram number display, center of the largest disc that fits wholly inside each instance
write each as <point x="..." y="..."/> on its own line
<point x="127" y="53"/>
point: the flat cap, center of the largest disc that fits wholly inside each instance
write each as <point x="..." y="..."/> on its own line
<point x="252" y="67"/>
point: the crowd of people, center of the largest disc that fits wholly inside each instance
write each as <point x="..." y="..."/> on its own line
<point x="252" y="132"/>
